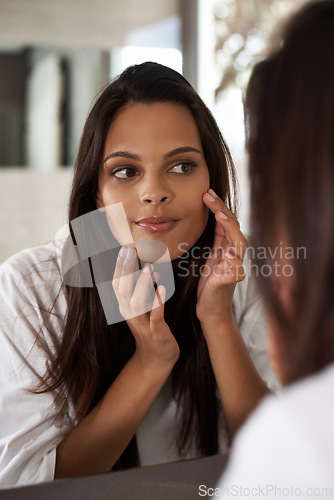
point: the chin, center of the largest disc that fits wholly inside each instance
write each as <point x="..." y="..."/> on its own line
<point x="153" y="249"/>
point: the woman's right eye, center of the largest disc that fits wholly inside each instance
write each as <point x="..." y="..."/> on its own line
<point x="124" y="173"/>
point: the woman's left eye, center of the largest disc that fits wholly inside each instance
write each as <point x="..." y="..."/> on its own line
<point x="124" y="173"/>
<point x="182" y="168"/>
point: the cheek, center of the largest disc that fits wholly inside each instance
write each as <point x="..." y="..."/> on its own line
<point x="197" y="207"/>
<point x="197" y="210"/>
<point x="200" y="213"/>
<point x="197" y="220"/>
<point x="110" y="195"/>
<point x="201" y="220"/>
<point x="117" y="212"/>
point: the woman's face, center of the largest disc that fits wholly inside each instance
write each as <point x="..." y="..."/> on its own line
<point x="154" y="164"/>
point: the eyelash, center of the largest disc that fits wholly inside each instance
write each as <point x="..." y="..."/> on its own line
<point x="114" y="172"/>
<point x="190" y="164"/>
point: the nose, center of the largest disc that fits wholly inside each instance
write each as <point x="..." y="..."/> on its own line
<point x="155" y="191"/>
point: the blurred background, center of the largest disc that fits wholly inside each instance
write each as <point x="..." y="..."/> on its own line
<point x="55" y="57"/>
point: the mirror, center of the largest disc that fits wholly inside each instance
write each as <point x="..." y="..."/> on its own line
<point x="45" y="94"/>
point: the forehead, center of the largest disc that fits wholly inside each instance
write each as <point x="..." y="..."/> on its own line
<point x="158" y="123"/>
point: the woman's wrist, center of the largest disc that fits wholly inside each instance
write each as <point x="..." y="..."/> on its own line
<point x="219" y="324"/>
<point x="154" y="368"/>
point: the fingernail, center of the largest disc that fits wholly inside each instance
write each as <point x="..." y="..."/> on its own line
<point x="222" y="215"/>
<point x="130" y="254"/>
<point x="228" y="255"/>
<point x="122" y="252"/>
<point x="209" y="197"/>
<point x="161" y="290"/>
<point x="146" y="268"/>
<point x="213" y="194"/>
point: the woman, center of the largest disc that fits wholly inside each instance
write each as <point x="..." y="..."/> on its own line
<point x="143" y="390"/>
<point x="286" y="447"/>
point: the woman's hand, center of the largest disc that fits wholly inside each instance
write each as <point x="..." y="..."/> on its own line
<point x="155" y="344"/>
<point x="96" y="443"/>
<point x="224" y="267"/>
<point x="240" y="386"/>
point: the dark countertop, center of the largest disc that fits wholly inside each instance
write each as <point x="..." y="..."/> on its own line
<point x="172" y="481"/>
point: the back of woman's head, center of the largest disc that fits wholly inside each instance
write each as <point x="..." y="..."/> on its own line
<point x="290" y="129"/>
<point x="146" y="83"/>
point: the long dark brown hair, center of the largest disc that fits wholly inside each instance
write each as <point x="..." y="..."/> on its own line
<point x="290" y="136"/>
<point x="92" y="353"/>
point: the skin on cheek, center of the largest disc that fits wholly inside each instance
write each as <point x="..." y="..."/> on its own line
<point x="203" y="219"/>
<point x="201" y="211"/>
<point x="196" y="225"/>
<point x="116" y="214"/>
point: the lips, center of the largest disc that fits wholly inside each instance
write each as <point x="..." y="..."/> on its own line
<point x="157" y="224"/>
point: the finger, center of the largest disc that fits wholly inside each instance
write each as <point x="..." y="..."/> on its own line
<point x="215" y="204"/>
<point x="155" y="277"/>
<point x="118" y="268"/>
<point x="158" y="307"/>
<point x="215" y="254"/>
<point x="230" y="268"/>
<point x="139" y="300"/>
<point x="222" y="240"/>
<point x="125" y="282"/>
<point x="236" y="243"/>
<point x="216" y="251"/>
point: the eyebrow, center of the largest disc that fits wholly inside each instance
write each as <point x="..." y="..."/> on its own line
<point x="178" y="151"/>
<point x="170" y="154"/>
<point x="122" y="154"/>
